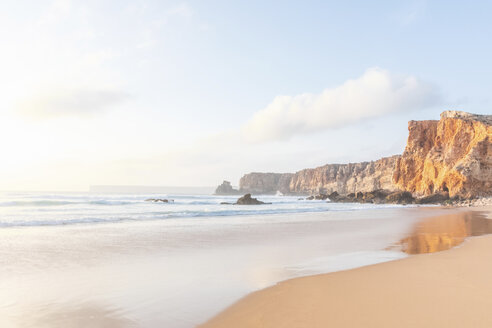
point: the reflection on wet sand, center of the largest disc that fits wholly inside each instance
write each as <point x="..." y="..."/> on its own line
<point x="73" y="316"/>
<point x="443" y="232"/>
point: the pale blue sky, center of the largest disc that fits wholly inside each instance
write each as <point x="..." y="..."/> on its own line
<point x="187" y="93"/>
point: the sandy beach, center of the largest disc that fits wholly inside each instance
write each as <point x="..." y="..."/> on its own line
<point x="451" y="288"/>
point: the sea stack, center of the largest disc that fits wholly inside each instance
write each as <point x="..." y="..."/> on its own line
<point x="226" y="189"/>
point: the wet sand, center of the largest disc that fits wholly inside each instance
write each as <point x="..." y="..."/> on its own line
<point x="432" y="289"/>
<point x="178" y="272"/>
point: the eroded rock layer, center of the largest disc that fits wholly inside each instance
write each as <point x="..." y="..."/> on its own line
<point x="453" y="154"/>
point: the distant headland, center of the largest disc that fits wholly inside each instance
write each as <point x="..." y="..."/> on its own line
<point x="451" y="157"/>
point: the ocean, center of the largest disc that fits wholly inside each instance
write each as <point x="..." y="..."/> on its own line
<point x="117" y="260"/>
<point x="38" y="209"/>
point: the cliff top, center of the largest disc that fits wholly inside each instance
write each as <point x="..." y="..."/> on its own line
<point x="387" y="158"/>
<point x="266" y="173"/>
<point x="466" y="116"/>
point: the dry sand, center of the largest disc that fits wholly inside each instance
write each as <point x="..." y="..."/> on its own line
<point x="445" y="289"/>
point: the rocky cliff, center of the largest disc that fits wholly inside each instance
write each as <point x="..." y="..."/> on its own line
<point x="453" y="154"/>
<point x="265" y="183"/>
<point x="345" y="178"/>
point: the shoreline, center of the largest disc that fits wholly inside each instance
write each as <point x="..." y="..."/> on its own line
<point x="184" y="271"/>
<point x="427" y="290"/>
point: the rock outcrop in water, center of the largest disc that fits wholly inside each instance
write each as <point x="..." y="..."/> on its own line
<point x="226" y="189"/>
<point x="161" y="200"/>
<point x="449" y="158"/>
<point x="248" y="200"/>
<point x="451" y="155"/>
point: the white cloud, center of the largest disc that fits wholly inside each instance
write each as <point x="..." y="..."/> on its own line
<point x="377" y="92"/>
<point x="70" y="102"/>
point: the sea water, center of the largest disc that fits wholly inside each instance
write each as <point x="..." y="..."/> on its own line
<point x="31" y="209"/>
<point x="117" y="260"/>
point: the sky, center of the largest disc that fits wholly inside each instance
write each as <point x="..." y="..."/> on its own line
<point x="175" y="93"/>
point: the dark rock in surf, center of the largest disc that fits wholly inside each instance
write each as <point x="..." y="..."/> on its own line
<point x="400" y="197"/>
<point x="434" y="198"/>
<point x="248" y="200"/>
<point x="157" y="200"/>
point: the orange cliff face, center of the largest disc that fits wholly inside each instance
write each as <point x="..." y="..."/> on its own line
<point x="453" y="154"/>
